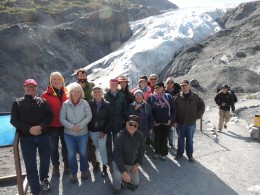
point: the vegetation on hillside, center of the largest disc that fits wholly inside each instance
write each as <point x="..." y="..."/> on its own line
<point x="53" y="7"/>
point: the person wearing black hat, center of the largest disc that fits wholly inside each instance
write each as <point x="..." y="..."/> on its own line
<point x="142" y="85"/>
<point x="164" y="112"/>
<point x="190" y="108"/>
<point x="128" y="154"/>
<point x="31" y="116"/>
<point x="225" y="101"/>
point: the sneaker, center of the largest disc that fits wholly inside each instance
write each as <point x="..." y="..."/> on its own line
<point x="55" y="170"/>
<point x="191" y="159"/>
<point x="116" y="191"/>
<point x="178" y="156"/>
<point x="220" y="130"/>
<point x="156" y="156"/>
<point x="73" y="179"/>
<point x="104" y="171"/>
<point x="163" y="158"/>
<point x="128" y="185"/>
<point x="84" y="176"/>
<point x="66" y="170"/>
<point x="225" y="126"/>
<point x="46" y="186"/>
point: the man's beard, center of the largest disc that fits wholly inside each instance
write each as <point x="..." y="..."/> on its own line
<point x="82" y="80"/>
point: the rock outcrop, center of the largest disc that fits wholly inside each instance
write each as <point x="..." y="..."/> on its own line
<point x="230" y="56"/>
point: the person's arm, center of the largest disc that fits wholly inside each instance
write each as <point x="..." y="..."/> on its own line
<point x="173" y="109"/>
<point x="201" y="108"/>
<point x="48" y="116"/>
<point x="140" y="150"/>
<point x="87" y="119"/>
<point x="217" y="100"/>
<point x="63" y="117"/>
<point x="16" y="120"/>
<point x="109" y="119"/>
<point x="118" y="154"/>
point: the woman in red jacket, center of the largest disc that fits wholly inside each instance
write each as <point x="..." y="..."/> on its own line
<point x="55" y="95"/>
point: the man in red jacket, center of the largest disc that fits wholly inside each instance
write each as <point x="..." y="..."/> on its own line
<point x="55" y="95"/>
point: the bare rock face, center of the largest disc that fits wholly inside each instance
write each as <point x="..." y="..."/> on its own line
<point x="230" y="56"/>
<point x="30" y="50"/>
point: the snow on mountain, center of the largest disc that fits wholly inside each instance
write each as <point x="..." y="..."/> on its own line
<point x="154" y="43"/>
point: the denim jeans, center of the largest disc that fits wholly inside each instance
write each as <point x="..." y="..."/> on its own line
<point x="56" y="134"/>
<point x="188" y="132"/>
<point x="161" y="133"/>
<point x="171" y="136"/>
<point x="29" y="146"/>
<point x="100" y="144"/>
<point x="77" y="144"/>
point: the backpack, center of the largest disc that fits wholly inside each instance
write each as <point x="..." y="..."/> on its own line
<point x="233" y="95"/>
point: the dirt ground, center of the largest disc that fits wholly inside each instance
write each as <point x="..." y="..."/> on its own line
<point x="226" y="163"/>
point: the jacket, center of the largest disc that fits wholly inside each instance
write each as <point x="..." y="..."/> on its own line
<point x="225" y="101"/>
<point x="55" y="104"/>
<point x="119" y="107"/>
<point x="145" y="115"/>
<point x="101" y="118"/>
<point x="88" y="90"/>
<point x="128" y="149"/>
<point x="27" y="112"/>
<point x="161" y="113"/>
<point x="190" y="109"/>
<point x="79" y="114"/>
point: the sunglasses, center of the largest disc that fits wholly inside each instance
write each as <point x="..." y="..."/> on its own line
<point x="153" y="79"/>
<point x="133" y="124"/>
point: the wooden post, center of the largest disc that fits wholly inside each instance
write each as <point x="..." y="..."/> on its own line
<point x="201" y="124"/>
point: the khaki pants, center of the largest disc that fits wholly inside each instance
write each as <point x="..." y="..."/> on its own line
<point x="224" y="117"/>
<point x="117" y="176"/>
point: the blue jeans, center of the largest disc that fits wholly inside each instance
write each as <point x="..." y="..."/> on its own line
<point x="77" y="144"/>
<point x="100" y="144"/>
<point x="188" y="132"/>
<point x="171" y="136"/>
<point x="56" y="134"/>
<point x="29" y="146"/>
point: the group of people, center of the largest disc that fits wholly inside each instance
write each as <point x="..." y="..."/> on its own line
<point x="118" y="122"/>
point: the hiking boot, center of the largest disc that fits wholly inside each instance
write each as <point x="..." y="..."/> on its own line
<point x="96" y="166"/>
<point x="172" y="146"/>
<point x="128" y="185"/>
<point x="55" y="170"/>
<point x="220" y="130"/>
<point x="116" y="191"/>
<point x="73" y="179"/>
<point x="225" y="126"/>
<point x="66" y="170"/>
<point x="156" y="156"/>
<point x="46" y="186"/>
<point x="178" y="156"/>
<point x="163" y="158"/>
<point x="104" y="171"/>
<point x="191" y="159"/>
<point x="84" y="176"/>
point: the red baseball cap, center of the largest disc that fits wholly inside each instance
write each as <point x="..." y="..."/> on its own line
<point x="113" y="81"/>
<point x="30" y="82"/>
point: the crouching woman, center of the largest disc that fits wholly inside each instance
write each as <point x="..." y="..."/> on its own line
<point x="75" y="115"/>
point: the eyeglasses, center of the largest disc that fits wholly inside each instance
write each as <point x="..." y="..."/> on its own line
<point x="153" y="79"/>
<point x="133" y="124"/>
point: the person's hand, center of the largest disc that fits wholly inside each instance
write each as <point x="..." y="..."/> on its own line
<point x="134" y="168"/>
<point x="35" y="130"/>
<point x="101" y="135"/>
<point x="126" y="177"/>
<point x="137" y="106"/>
<point x="223" y="104"/>
<point x="75" y="128"/>
<point x="150" y="131"/>
<point x="175" y="125"/>
<point x="155" y="124"/>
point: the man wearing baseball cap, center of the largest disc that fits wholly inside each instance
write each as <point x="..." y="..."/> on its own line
<point x="32" y="115"/>
<point x="128" y="154"/>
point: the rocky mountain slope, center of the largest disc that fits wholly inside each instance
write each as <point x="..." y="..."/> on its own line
<point x="39" y="39"/>
<point x="230" y="56"/>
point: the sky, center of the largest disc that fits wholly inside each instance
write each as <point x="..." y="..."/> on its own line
<point x="205" y="3"/>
